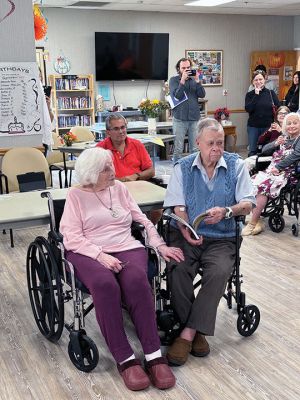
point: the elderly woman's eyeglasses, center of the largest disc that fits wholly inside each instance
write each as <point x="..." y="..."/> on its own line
<point x="118" y="128"/>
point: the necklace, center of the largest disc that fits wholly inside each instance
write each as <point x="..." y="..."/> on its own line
<point x="114" y="213"/>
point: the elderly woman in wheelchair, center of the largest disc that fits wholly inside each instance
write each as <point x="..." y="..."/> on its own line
<point x="111" y="264"/>
<point x="269" y="183"/>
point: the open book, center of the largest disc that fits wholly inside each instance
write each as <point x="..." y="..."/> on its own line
<point x="197" y="221"/>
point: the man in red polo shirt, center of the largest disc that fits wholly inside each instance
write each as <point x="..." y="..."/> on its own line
<point x="131" y="159"/>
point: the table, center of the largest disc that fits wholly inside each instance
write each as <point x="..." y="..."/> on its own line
<point x="230" y="130"/>
<point x="27" y="209"/>
<point x="78" y="147"/>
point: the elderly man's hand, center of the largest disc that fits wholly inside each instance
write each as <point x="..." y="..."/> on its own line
<point x="215" y="215"/>
<point x="186" y="233"/>
<point x="110" y="262"/>
<point x="171" y="252"/>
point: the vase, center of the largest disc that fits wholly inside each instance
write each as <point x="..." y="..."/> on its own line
<point x="68" y="143"/>
<point x="151" y="126"/>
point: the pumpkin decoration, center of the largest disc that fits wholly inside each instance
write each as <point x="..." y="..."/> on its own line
<point x="276" y="60"/>
<point x="40" y="23"/>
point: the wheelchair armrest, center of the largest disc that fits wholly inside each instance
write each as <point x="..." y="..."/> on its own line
<point x="167" y="212"/>
<point x="137" y="226"/>
<point x="56" y="236"/>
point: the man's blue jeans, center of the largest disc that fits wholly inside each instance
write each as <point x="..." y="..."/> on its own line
<point x="180" y="129"/>
<point x="253" y="135"/>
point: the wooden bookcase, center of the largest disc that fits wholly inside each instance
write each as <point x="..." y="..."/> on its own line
<point x="72" y="99"/>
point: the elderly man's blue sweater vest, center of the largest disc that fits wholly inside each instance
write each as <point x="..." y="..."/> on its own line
<point x="199" y="198"/>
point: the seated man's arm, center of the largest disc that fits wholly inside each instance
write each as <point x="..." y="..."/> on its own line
<point x="145" y="170"/>
<point x="142" y="176"/>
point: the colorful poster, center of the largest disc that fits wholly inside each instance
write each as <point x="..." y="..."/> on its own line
<point x="209" y="64"/>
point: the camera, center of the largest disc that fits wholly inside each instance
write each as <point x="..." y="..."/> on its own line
<point x="192" y="72"/>
<point x="47" y="90"/>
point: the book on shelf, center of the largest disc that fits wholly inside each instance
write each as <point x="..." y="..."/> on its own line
<point x="193" y="228"/>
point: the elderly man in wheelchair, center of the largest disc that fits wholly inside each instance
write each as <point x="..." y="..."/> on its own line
<point x="112" y="266"/>
<point x="217" y="184"/>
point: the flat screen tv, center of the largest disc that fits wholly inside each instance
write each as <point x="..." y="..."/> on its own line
<point x="131" y="56"/>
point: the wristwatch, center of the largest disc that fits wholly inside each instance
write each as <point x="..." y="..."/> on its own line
<point x="228" y="213"/>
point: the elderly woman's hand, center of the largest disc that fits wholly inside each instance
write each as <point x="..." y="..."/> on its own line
<point x="171" y="252"/>
<point x="274" y="171"/>
<point x="110" y="262"/>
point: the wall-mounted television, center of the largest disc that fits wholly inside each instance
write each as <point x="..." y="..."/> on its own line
<point x="131" y="56"/>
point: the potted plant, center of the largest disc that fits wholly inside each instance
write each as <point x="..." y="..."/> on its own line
<point x="222" y="114"/>
<point x="68" y="138"/>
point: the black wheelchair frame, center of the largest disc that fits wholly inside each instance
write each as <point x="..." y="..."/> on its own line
<point x="248" y="315"/>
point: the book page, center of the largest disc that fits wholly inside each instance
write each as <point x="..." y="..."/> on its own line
<point x="197" y="221"/>
<point x="183" y="222"/>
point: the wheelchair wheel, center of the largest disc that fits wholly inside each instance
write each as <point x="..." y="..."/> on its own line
<point x="248" y="320"/>
<point x="89" y="357"/>
<point x="295" y="229"/>
<point x="45" y="289"/>
<point x="276" y="223"/>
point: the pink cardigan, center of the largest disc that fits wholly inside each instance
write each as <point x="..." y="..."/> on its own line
<point x="89" y="228"/>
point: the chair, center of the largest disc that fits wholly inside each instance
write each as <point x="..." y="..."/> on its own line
<point x="52" y="283"/>
<point x="56" y="161"/>
<point x="19" y="161"/>
<point x="83" y="134"/>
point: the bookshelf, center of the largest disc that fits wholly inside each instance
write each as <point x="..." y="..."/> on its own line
<point x="72" y="101"/>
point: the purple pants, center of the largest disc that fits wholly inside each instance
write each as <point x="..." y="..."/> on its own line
<point x="110" y="290"/>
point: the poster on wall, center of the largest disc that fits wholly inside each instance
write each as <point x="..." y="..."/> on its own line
<point x="209" y="64"/>
<point x="21" y="99"/>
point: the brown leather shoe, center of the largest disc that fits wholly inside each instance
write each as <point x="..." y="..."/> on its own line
<point x="179" y="351"/>
<point x="200" y="347"/>
<point x="134" y="377"/>
<point x="160" y="373"/>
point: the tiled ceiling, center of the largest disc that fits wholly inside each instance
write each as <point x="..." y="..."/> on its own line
<point x="251" y="7"/>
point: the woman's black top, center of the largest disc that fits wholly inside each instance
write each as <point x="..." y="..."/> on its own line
<point x="259" y="107"/>
<point x="292" y="98"/>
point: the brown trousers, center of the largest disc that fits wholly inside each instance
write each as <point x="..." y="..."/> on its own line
<point x="217" y="259"/>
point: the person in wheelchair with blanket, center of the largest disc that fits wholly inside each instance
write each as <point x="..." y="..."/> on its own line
<point x="218" y="184"/>
<point x="96" y="228"/>
<point x="269" y="183"/>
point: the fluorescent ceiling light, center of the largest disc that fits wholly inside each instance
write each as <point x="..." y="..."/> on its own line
<point x="208" y="3"/>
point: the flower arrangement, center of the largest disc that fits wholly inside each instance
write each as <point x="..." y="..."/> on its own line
<point x="221" y="114"/>
<point x="152" y="108"/>
<point x="68" y="138"/>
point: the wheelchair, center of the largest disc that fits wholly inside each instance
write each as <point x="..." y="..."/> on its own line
<point x="248" y="315"/>
<point x="52" y="283"/>
<point x="289" y="197"/>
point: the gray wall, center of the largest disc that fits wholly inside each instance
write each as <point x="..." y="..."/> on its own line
<point x="72" y="31"/>
<point x="297" y="32"/>
<point x="17" y="44"/>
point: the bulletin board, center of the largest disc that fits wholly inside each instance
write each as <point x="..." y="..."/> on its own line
<point x="280" y="65"/>
<point x="21" y="101"/>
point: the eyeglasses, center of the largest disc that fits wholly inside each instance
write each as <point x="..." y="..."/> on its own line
<point x="117" y="128"/>
<point x="282" y="113"/>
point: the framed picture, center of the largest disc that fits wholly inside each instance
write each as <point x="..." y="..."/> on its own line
<point x="39" y="52"/>
<point x="209" y="64"/>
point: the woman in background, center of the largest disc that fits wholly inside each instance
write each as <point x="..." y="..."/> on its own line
<point x="292" y="96"/>
<point x="259" y="103"/>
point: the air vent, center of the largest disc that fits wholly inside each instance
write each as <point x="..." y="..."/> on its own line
<point x="89" y="4"/>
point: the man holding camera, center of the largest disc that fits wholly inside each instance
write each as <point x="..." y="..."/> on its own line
<point x="185" y="88"/>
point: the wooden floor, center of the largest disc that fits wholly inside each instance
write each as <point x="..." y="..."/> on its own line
<point x="264" y="366"/>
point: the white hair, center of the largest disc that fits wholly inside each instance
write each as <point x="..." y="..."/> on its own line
<point x="208" y="123"/>
<point x="292" y="114"/>
<point x="90" y="163"/>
